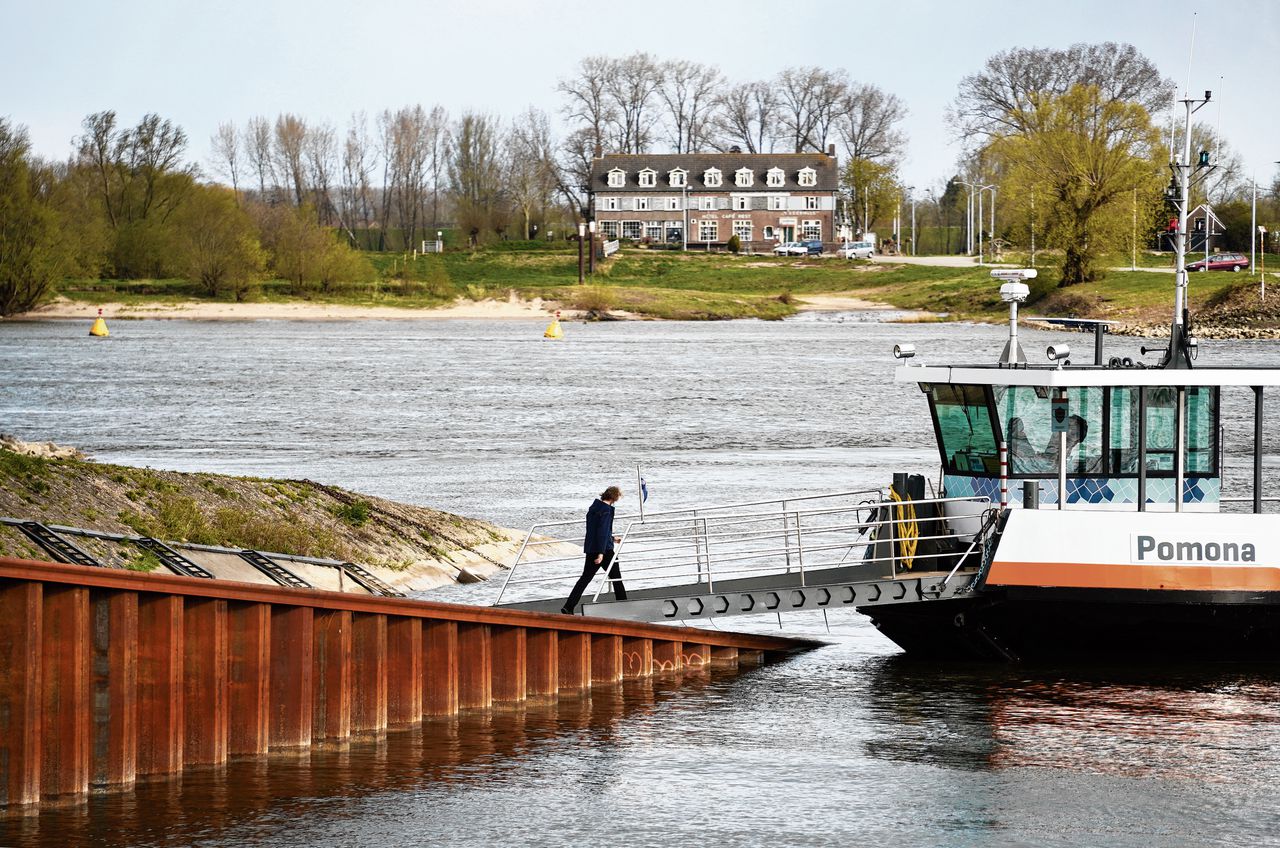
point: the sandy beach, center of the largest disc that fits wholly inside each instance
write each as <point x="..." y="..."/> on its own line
<point x="510" y="309"/>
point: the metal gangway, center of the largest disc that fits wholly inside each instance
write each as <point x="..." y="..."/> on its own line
<point x="847" y="549"/>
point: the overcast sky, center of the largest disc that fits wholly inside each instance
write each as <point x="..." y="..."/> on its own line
<point x="203" y="63"/>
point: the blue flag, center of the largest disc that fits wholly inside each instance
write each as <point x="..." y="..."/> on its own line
<point x="644" y="490"/>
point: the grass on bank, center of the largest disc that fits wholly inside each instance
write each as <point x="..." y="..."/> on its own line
<point x="693" y="285"/>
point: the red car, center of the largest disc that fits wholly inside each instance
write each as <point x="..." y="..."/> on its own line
<point x="1221" y="262"/>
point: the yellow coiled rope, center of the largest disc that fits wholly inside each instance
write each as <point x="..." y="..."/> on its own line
<point x="908" y="531"/>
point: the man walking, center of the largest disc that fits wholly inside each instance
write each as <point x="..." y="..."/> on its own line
<point x="598" y="548"/>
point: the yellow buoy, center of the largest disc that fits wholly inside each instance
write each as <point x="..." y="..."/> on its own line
<point x="99" y="327"/>
<point x="553" y="329"/>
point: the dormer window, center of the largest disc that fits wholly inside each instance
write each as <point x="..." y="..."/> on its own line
<point x="617" y="178"/>
<point x="648" y="178"/>
<point x="743" y="178"/>
<point x="711" y="178"/>
<point x="775" y="178"/>
<point x="678" y="178"/>
<point x="808" y="177"/>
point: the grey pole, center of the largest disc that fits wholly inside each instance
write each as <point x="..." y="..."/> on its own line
<point x="1179" y="446"/>
<point x="1253" y="230"/>
<point x="1062" y="458"/>
<point x="993" y="223"/>
<point x="980" y="189"/>
<point x="1257" y="449"/>
<point x="1142" y="449"/>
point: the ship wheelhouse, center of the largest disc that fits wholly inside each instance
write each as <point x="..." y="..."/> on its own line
<point x="1132" y="437"/>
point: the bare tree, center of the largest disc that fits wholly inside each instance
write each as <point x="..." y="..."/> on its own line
<point x="320" y="158"/>
<point x="290" y="138"/>
<point x="530" y="166"/>
<point x="257" y="149"/>
<point x="1003" y="97"/>
<point x="807" y="101"/>
<point x="632" y="86"/>
<point x="868" y="124"/>
<point x="747" y="116"/>
<point x="475" y="173"/>
<point x="226" y="154"/>
<point x="355" y="205"/>
<point x="688" y="90"/>
<point x="589" y="104"/>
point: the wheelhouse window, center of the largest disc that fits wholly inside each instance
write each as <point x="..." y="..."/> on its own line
<point x="962" y="421"/>
<point x="1200" y="430"/>
<point x="617" y="178"/>
<point x="1026" y="421"/>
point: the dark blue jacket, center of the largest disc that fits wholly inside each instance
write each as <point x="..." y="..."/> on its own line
<point x="599" y="528"/>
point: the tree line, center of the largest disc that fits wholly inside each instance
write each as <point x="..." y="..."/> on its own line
<point x="1074" y="142"/>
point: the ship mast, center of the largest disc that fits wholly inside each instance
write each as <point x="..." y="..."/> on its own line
<point x="1185" y="175"/>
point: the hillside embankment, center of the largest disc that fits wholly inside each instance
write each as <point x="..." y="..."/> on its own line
<point x="409" y="547"/>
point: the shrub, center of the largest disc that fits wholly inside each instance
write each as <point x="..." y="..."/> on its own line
<point x="735" y="244"/>
<point x="355" y="513"/>
<point x="594" y="300"/>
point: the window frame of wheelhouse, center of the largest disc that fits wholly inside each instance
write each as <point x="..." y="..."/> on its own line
<point x="1190" y="436"/>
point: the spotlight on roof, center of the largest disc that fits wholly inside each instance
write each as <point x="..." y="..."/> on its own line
<point x="1058" y="352"/>
<point x="904" y="351"/>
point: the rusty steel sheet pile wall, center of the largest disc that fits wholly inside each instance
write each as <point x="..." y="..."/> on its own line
<point x="108" y="676"/>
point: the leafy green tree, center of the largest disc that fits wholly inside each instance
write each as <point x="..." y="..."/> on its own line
<point x="217" y="243"/>
<point x="1086" y="155"/>
<point x="873" y="189"/>
<point x="31" y="257"/>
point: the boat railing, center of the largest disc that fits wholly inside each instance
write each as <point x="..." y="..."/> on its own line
<point x="795" y="536"/>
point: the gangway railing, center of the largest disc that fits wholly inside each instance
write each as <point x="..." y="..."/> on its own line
<point x="802" y="539"/>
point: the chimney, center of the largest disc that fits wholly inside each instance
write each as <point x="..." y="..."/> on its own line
<point x="597" y="153"/>
<point x="831" y="150"/>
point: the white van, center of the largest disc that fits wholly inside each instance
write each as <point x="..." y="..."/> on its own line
<point x="858" y="250"/>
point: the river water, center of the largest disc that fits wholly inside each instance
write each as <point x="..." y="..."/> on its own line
<point x="846" y="743"/>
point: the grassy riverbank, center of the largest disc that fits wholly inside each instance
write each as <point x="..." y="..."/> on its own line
<point x="693" y="285"/>
<point x="282" y="516"/>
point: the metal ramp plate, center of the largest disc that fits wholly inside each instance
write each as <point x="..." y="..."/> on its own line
<point x="852" y="587"/>
<point x="274" y="570"/>
<point x="57" y="547"/>
<point x="366" y="579"/>
<point x="173" y="560"/>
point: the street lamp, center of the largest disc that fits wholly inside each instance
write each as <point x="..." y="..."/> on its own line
<point x="582" y="234"/>
<point x="911" y="194"/>
<point x="591" y="248"/>
<point x="980" y="189"/>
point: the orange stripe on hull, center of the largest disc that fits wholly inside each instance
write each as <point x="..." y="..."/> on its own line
<point x="1079" y="575"/>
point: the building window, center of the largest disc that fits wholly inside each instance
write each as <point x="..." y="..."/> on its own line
<point x="648" y="178"/>
<point x="778" y="202"/>
<point x="708" y="230"/>
<point x="673" y="204"/>
<point x="678" y="177"/>
<point x="768" y="233"/>
<point x="741" y="202"/>
<point x="609" y="229"/>
<point x="811" y="203"/>
<point x="617" y="178"/>
<point x="775" y="177"/>
<point x="631" y="229"/>
<point x="811" y="230"/>
<point x="653" y="231"/>
<point x="641" y="204"/>
<point x="706" y="204"/>
<point x="742" y="229"/>
<point x="743" y="178"/>
<point x="808" y="177"/>
<point x="711" y="178"/>
<point x="609" y="204"/>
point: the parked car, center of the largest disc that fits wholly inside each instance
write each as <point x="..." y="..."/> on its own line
<point x="857" y="250"/>
<point x="791" y="248"/>
<point x="814" y="247"/>
<point x="1221" y="262"/>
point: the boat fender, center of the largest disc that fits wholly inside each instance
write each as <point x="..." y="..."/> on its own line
<point x="1116" y="362"/>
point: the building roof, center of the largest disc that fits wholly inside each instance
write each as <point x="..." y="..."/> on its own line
<point x="825" y="167"/>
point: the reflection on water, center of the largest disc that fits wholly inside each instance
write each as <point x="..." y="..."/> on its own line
<point x="848" y="744"/>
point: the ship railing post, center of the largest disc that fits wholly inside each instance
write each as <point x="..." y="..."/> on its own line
<point x="786" y="536"/>
<point x="515" y="564"/>
<point x="1004" y="475"/>
<point x="1142" y="449"/>
<point x="1062" y="462"/>
<point x="799" y="546"/>
<point x="1179" y="446"/>
<point x="1257" y="449"/>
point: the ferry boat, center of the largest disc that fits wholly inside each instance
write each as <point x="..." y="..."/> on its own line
<point x="1080" y="515"/>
